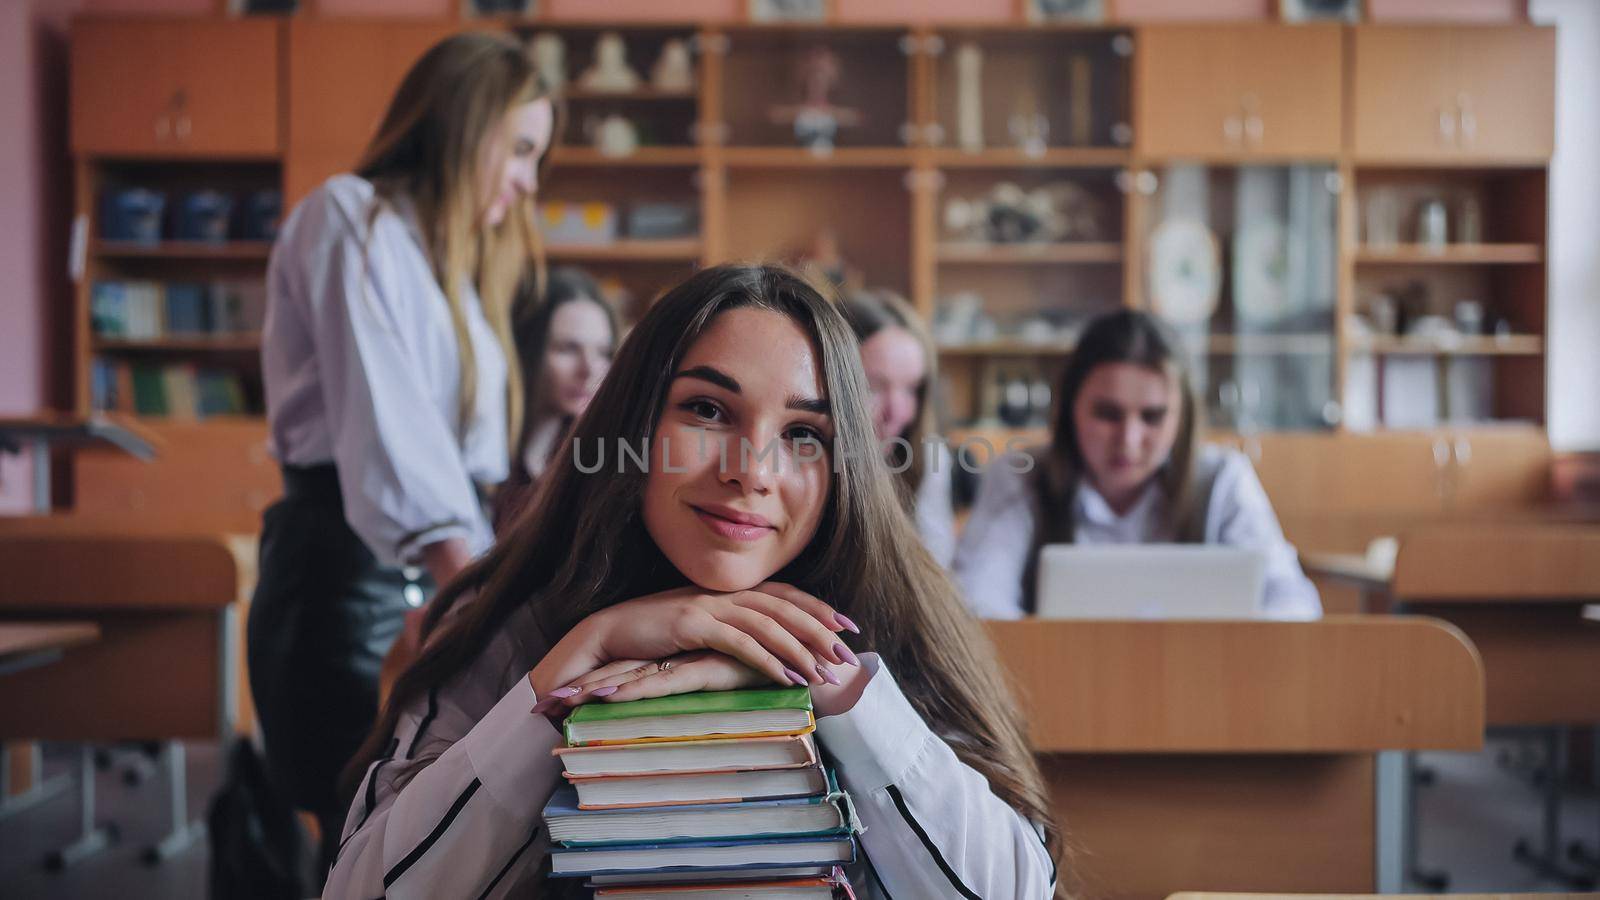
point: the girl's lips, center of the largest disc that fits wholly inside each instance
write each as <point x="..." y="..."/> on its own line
<point x="727" y="528"/>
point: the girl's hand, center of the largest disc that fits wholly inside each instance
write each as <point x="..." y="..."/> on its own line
<point x="776" y="629"/>
<point x="632" y="679"/>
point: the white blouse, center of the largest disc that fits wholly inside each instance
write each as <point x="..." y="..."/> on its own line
<point x="936" y="517"/>
<point x="361" y="369"/>
<point x="453" y="808"/>
<point x="994" y="548"/>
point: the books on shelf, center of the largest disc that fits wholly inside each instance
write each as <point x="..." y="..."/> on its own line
<point x="715" y="792"/>
<point x="174" y="390"/>
<point x="150" y="310"/>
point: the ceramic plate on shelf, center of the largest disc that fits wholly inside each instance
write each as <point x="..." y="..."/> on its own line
<point x="1185" y="271"/>
<point x="1261" y="272"/>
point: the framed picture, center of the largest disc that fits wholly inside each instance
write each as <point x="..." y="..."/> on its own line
<point x="1065" y="10"/>
<point x="788" y="10"/>
<point x="1320" y="10"/>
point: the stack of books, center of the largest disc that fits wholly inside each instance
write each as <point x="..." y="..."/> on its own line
<point x="720" y="793"/>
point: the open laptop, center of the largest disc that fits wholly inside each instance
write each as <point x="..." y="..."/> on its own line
<point x="1150" y="581"/>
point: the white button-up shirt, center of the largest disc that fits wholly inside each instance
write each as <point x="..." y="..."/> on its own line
<point x="998" y="538"/>
<point x="362" y="370"/>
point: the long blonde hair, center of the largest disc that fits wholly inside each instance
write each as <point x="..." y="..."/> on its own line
<point x="582" y="546"/>
<point x="427" y="151"/>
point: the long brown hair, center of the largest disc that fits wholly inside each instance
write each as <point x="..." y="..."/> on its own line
<point x="426" y="150"/>
<point x="1126" y="336"/>
<point x="581" y="546"/>
<point x="869" y="312"/>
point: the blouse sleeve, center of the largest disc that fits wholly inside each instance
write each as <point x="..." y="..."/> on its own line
<point x="936" y="518"/>
<point x="452" y="810"/>
<point x="401" y="472"/>
<point x="993" y="552"/>
<point x="932" y="826"/>
<point x="1242" y="516"/>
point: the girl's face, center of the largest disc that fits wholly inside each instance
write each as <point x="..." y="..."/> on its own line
<point x="733" y="493"/>
<point x="577" y="354"/>
<point x="1127" y="418"/>
<point x="509" y="160"/>
<point x="895" y="368"/>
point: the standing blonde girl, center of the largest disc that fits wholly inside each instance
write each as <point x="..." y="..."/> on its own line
<point x="391" y="390"/>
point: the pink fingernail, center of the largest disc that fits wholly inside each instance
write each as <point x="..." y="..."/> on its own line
<point x="568" y="691"/>
<point x="796" y="677"/>
<point x="604" y="692"/>
<point x="845" y="621"/>
<point x="543" y="706"/>
<point x="844" y="653"/>
<point x="827" y="676"/>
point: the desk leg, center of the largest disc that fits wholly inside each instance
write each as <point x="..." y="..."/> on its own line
<point x="182" y="833"/>
<point x="1392" y="829"/>
<point x="1545" y="862"/>
<point x="91" y="838"/>
<point x="39" y="788"/>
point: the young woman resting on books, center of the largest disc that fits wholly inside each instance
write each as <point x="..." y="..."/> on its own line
<point x="764" y="492"/>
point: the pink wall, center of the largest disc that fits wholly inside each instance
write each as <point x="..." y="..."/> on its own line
<point x="36" y="180"/>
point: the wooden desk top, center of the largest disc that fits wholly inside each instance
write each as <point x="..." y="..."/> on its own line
<point x="58" y="563"/>
<point x="1343" y="684"/>
<point x="17" y="638"/>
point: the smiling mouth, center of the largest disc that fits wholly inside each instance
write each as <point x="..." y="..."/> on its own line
<point x="728" y="528"/>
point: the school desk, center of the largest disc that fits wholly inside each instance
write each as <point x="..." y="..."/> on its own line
<point x="163" y="668"/>
<point x="1520" y="588"/>
<point x="1238" y="755"/>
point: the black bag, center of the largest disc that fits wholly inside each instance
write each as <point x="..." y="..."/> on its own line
<point x="259" y="851"/>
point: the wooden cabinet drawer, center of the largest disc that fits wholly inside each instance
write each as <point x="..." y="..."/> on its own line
<point x="175" y="88"/>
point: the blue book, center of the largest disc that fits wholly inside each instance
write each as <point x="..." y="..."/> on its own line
<point x="742" y="855"/>
<point x="823" y="814"/>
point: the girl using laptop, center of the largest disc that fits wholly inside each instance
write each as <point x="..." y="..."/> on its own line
<point x="1125" y="465"/>
<point x="713" y="566"/>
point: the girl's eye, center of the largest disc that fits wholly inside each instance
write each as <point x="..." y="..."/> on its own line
<point x="804" y="432"/>
<point x="1154" y="418"/>
<point x="703" y="409"/>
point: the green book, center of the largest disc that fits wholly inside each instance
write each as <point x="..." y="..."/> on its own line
<point x="761" y="712"/>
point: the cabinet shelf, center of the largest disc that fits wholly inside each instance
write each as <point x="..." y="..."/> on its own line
<point x="239" y="250"/>
<point x="1451" y="254"/>
<point x="179" y="343"/>
<point x="628" y="251"/>
<point x="975" y="253"/>
<point x="1510" y="345"/>
<point x="801" y="158"/>
<point x="644" y="94"/>
<point x="1008" y="348"/>
<point x="1052" y="158"/>
<point x="643" y="157"/>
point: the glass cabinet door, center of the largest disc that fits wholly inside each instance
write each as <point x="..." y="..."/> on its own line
<point x="1242" y="261"/>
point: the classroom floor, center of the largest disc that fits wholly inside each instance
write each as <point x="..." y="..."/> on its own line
<point x="1471" y="816"/>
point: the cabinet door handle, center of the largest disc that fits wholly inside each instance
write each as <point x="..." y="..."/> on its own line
<point x="1254" y="129"/>
<point x="163" y="127"/>
<point x="181" y="129"/>
<point x="1469" y="124"/>
<point x="1447" y="126"/>
<point x="1232" y="130"/>
<point x="1463" y="451"/>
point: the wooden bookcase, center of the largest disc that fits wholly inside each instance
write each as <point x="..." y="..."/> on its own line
<point x="1218" y="99"/>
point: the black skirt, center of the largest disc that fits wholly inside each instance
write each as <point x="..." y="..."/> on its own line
<point x="324" y="615"/>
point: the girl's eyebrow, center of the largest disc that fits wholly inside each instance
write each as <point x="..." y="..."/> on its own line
<point x="727" y="382"/>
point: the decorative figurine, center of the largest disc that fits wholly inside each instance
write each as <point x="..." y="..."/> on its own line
<point x="969" y="97"/>
<point x="610" y="72"/>
<point x="615" y="136"/>
<point x="673" y="70"/>
<point x="816" y="119"/>
<point x="549" y="55"/>
<point x="1029" y="128"/>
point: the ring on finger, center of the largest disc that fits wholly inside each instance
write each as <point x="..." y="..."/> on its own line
<point x="663" y="665"/>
